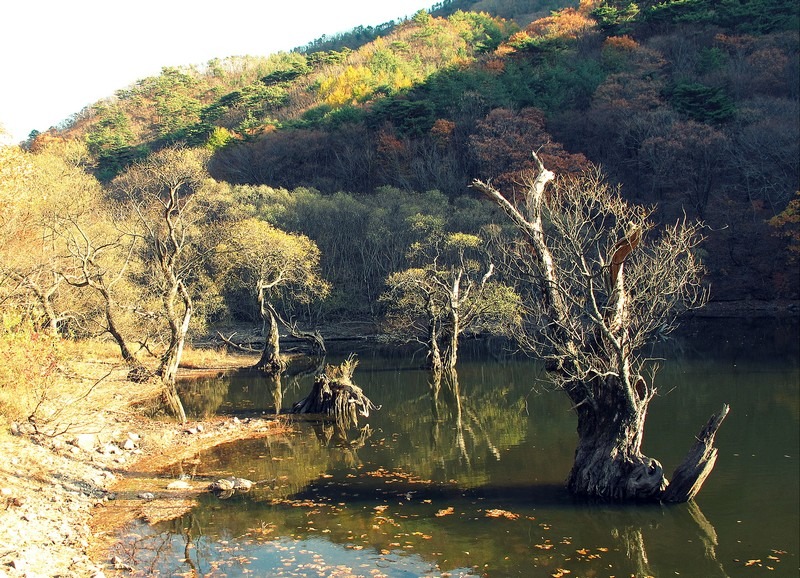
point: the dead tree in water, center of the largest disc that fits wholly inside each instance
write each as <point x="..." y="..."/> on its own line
<point x="601" y="290"/>
<point x="334" y="395"/>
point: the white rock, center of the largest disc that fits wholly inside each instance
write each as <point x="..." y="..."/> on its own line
<point x="178" y="485"/>
<point x="86" y="441"/>
<point x="147" y="496"/>
<point x="129" y="445"/>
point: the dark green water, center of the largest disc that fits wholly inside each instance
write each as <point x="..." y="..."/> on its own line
<point x="467" y="480"/>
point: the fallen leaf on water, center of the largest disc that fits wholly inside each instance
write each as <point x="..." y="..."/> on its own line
<point x="560" y="572"/>
<point x="445" y="512"/>
<point x="501" y="514"/>
<point x="752" y="562"/>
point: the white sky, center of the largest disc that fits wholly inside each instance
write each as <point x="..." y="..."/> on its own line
<point x="58" y="56"/>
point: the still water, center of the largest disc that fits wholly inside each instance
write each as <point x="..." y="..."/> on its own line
<point x="465" y="477"/>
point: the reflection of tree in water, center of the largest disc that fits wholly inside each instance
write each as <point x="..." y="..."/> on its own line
<point x="646" y="550"/>
<point x="589" y="541"/>
<point x="462" y="428"/>
<point x="203" y="396"/>
<point x="344" y="442"/>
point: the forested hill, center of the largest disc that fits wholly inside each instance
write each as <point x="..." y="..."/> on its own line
<point x="691" y="105"/>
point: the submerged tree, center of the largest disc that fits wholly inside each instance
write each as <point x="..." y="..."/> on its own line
<point x="603" y="284"/>
<point x="335" y="397"/>
<point x="274" y="265"/>
<point x="449" y="293"/>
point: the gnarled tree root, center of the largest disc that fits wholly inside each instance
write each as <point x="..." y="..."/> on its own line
<point x="334" y="395"/>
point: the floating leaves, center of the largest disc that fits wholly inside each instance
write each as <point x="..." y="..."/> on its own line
<point x="496" y="513"/>
<point x="767" y="562"/>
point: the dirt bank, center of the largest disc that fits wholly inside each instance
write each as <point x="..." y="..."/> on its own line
<point x="68" y="487"/>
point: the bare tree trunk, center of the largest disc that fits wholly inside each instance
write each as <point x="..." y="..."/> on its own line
<point x="434" y="361"/>
<point x="609" y="463"/>
<point x="692" y="473"/>
<point x="271" y="361"/>
<point x="334" y="395"/>
<point x="171" y="359"/>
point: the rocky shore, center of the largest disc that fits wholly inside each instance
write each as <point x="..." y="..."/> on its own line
<point x="65" y="494"/>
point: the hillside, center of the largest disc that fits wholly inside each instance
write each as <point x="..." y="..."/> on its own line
<point x="690" y="105"/>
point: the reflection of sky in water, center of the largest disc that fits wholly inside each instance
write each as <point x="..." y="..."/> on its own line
<point x="494" y="441"/>
<point x="282" y="557"/>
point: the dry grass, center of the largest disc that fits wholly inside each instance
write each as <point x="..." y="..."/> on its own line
<point x="59" y="386"/>
<point x="214" y="358"/>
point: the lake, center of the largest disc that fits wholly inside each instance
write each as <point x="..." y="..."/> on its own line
<point x="465" y="477"/>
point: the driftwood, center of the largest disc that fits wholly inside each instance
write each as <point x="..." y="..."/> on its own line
<point x="334" y="395"/>
<point x="228" y="341"/>
<point x="692" y="473"/>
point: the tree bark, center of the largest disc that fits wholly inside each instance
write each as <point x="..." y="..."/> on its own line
<point x="179" y="328"/>
<point x="334" y="395"/>
<point x="271" y="361"/>
<point x="609" y="463"/>
<point x="692" y="473"/>
<point x="435" y="363"/>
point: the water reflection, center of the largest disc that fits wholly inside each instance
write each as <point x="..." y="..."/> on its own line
<point x="414" y="538"/>
<point x="464" y="474"/>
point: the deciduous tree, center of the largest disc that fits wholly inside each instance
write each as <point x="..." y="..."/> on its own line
<point x="163" y="196"/>
<point x="449" y="292"/>
<point x="605" y="283"/>
<point x="273" y="265"/>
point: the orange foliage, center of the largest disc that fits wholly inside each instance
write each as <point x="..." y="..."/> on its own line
<point x="505" y="140"/>
<point x="389" y="144"/>
<point x="568" y="23"/>
<point x="621" y="43"/>
<point x="586" y="6"/>
<point x="495" y="65"/>
<point x="442" y="131"/>
<point x="787" y="226"/>
<point x="45" y="140"/>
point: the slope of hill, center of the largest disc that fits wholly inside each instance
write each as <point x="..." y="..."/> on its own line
<point x="691" y="105"/>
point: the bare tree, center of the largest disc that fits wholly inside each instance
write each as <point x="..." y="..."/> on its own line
<point x="604" y="283"/>
<point x="162" y="196"/>
<point x="101" y="255"/>
<point x="450" y="293"/>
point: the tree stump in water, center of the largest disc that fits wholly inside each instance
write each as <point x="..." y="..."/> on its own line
<point x="334" y="395"/>
<point x="690" y="475"/>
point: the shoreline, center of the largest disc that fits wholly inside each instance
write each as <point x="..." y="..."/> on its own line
<point x="64" y="498"/>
